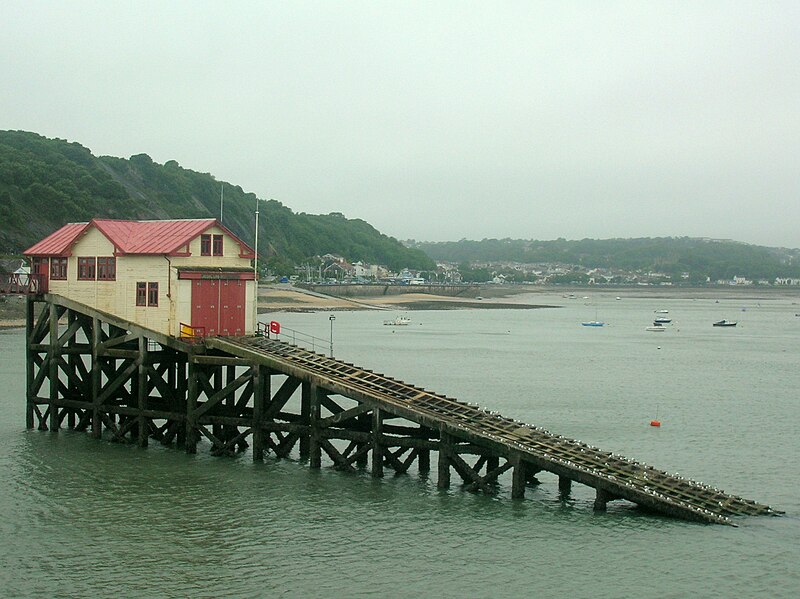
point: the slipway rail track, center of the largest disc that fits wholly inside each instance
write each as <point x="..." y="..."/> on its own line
<point x="91" y="371"/>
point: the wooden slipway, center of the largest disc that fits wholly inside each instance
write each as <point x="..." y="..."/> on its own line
<point x="91" y="371"/>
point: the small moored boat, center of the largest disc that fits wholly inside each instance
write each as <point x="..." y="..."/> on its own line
<point x="725" y="323"/>
<point x="400" y="321"/>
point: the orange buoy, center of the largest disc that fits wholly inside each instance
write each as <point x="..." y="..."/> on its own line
<point x="655" y="423"/>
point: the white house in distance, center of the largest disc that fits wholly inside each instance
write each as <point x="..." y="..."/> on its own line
<point x="160" y="274"/>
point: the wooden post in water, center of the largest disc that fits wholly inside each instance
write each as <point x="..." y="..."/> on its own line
<point x="182" y="391"/>
<point x="314" y="446"/>
<point x="96" y="375"/>
<point x="191" y="406"/>
<point x="602" y="497"/>
<point x="424" y="461"/>
<point x="519" y="478"/>
<point x="29" y="362"/>
<point x="53" y="355"/>
<point x="377" y="446"/>
<point x="260" y="393"/>
<point x="142" y="394"/>
<point x="445" y="448"/>
<point x="564" y="486"/>
<point x="305" y="418"/>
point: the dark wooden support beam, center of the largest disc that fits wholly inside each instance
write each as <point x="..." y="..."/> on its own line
<point x="261" y="391"/>
<point x="469" y="474"/>
<point x="119" y="380"/>
<point x="363" y="422"/>
<point x="181" y="384"/>
<point x="29" y="364"/>
<point x="445" y="449"/>
<point x="283" y="394"/>
<point x="314" y="447"/>
<point x="396" y="461"/>
<point x="141" y="388"/>
<point x="97" y="375"/>
<point x="340" y="462"/>
<point x="484" y="482"/>
<point x="519" y="478"/>
<point x="331" y="405"/>
<point x="287" y="443"/>
<point x="424" y="460"/>
<point x="192" y="434"/>
<point x="377" y="447"/>
<point x="226" y="393"/>
<point x="53" y="367"/>
<point x="73" y="326"/>
<point x="602" y="497"/>
<point x="344" y="415"/>
<point x="305" y="415"/>
<point x="564" y="486"/>
<point x="42" y="325"/>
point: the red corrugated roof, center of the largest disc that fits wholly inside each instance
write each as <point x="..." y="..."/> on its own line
<point x="58" y="243"/>
<point x="132" y="236"/>
<point x="152" y="236"/>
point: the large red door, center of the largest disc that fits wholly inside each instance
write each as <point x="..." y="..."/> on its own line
<point x="218" y="306"/>
<point x="205" y="305"/>
<point x="232" y="307"/>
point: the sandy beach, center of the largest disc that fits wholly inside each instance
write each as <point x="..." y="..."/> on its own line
<point x="286" y="298"/>
<point x="292" y="299"/>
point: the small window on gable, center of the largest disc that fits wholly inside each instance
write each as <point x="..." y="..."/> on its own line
<point x="107" y="269"/>
<point x="205" y="245"/>
<point x="87" y="269"/>
<point x="218" y="245"/>
<point x="141" y="294"/>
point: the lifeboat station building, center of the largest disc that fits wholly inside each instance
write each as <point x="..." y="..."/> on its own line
<point x="176" y="277"/>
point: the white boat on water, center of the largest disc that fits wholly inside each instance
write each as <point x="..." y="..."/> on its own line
<point x="655" y="329"/>
<point x="725" y="323"/>
<point x="400" y="321"/>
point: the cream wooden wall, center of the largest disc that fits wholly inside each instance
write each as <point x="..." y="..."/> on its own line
<point x="174" y="302"/>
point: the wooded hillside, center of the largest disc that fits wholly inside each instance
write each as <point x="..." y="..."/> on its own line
<point x="45" y="183"/>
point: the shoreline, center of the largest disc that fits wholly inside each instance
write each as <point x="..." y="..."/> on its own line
<point x="286" y="298"/>
<point x="291" y="299"/>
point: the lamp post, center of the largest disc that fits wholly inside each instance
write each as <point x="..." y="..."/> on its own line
<point x="255" y="266"/>
<point x="255" y="261"/>
<point x="331" y="318"/>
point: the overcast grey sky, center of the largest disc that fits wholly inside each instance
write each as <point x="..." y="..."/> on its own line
<point x="439" y="120"/>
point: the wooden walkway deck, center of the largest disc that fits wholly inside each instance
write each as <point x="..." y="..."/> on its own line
<point x="526" y="448"/>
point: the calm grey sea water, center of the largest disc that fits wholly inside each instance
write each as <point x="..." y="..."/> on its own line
<point x="80" y="517"/>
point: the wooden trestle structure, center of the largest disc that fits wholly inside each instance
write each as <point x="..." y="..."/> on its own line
<point x="127" y="383"/>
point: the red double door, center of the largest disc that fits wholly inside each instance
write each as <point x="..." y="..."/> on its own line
<point x="218" y="306"/>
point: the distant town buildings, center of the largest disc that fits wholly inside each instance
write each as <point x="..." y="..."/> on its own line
<point x="331" y="268"/>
